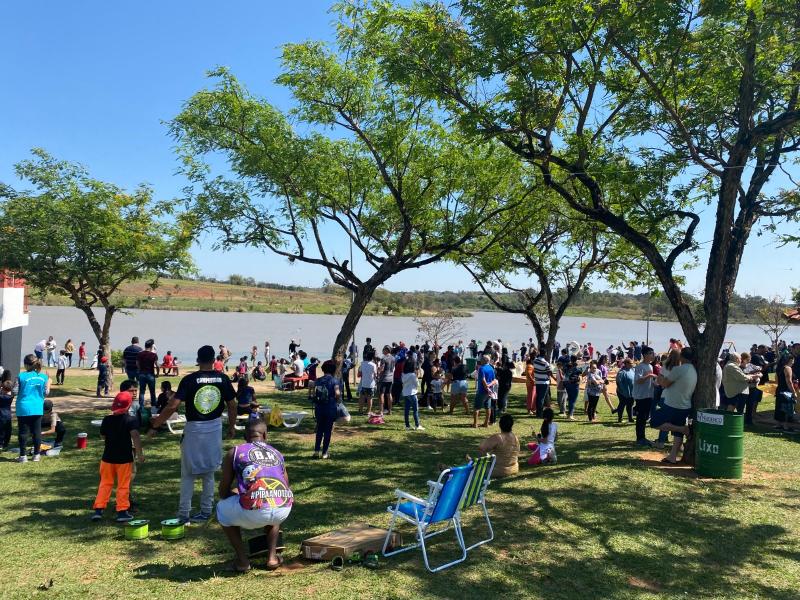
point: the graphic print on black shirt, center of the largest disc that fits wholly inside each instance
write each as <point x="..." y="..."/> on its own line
<point x="206" y="394"/>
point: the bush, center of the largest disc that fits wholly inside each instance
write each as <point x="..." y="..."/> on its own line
<point x="116" y="358"/>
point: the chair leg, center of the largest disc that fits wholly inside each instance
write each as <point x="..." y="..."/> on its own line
<point x="389" y="538"/>
<point x="459" y="539"/>
<point x="488" y="524"/>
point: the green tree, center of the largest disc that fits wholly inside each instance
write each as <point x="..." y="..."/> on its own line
<point x="643" y="116"/>
<point x="74" y="235"/>
<point x="357" y="157"/>
<point x="559" y="251"/>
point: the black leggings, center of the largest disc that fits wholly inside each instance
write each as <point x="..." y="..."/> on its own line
<point x="34" y="423"/>
<point x="625" y="404"/>
<point x="60" y="432"/>
<point x="592" y="408"/>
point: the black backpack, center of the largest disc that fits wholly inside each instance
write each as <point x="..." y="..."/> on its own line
<point x="321" y="394"/>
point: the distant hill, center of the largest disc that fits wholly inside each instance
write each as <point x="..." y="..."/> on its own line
<point x="244" y="294"/>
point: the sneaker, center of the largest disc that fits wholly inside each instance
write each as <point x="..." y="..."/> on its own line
<point x="183" y="520"/>
<point x="644" y="443"/>
<point x="22" y="459"/>
<point x="123" y="516"/>
<point x="325" y="456"/>
<point x="37" y="457"/>
<point x="420" y="428"/>
<point x="200" y="518"/>
<point x="408" y="428"/>
<point x="97" y="515"/>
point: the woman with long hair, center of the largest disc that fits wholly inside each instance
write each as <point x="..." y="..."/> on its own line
<point x="33" y="387"/>
<point x="786" y="393"/>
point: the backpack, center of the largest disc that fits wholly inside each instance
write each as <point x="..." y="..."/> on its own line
<point x="321" y="395"/>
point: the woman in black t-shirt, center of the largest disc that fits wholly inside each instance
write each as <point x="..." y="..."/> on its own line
<point x="458" y="386"/>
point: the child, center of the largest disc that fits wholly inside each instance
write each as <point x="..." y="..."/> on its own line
<point x="102" y="377"/>
<point x="436" y="390"/>
<point x="218" y="364"/>
<point x="245" y="399"/>
<point x="61" y="367"/>
<point x="164" y="397"/>
<point x="253" y="355"/>
<point x="6" y="397"/>
<point x="82" y="355"/>
<point x="410" y="384"/>
<point x="544" y="449"/>
<point x="120" y="431"/>
<point x="561" y="390"/>
<point x="51" y="420"/>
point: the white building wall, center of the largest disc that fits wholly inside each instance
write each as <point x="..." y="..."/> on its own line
<point x="12" y="308"/>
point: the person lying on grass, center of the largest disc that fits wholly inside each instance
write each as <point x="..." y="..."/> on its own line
<point x="254" y="493"/>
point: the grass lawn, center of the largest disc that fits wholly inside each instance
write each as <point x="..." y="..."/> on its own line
<point x="600" y="524"/>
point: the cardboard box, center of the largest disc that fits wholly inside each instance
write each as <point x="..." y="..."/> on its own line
<point x="360" y="537"/>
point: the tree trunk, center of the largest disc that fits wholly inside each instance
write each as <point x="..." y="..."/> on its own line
<point x="552" y="332"/>
<point x="360" y="300"/>
<point x="537" y="326"/>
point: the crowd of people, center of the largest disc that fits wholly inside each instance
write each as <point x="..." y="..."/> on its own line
<point x="651" y="388"/>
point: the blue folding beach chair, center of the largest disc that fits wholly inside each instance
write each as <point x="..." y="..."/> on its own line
<point x="476" y="491"/>
<point x="441" y="507"/>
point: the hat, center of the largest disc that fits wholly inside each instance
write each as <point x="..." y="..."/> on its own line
<point x="103" y="359"/>
<point x="206" y="354"/>
<point x="122" y="402"/>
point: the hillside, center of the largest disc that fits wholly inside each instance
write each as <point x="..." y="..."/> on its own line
<point x="241" y="294"/>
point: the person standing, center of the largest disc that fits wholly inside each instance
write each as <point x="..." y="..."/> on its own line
<point x="530" y="384"/>
<point x="267" y="355"/>
<point x="625" y="390"/>
<point x="69" y="350"/>
<point x="473" y="348"/>
<point x="120" y="432"/>
<point x="643" y="381"/>
<point x="543" y="373"/>
<point x="327" y="395"/>
<point x="40" y="349"/>
<point x="129" y="359"/>
<point x="50" y="347"/>
<point x="410" y="390"/>
<point x="33" y="386"/>
<point x="385" y="378"/>
<point x="253" y="356"/>
<point x="505" y="375"/>
<point x="556" y="350"/>
<point x="572" y="383"/>
<point x="226" y="356"/>
<point x="147" y="367"/>
<point x="368" y="350"/>
<point x="82" y="355"/>
<point x="206" y="394"/>
<point x="61" y="367"/>
<point x="487" y="382"/>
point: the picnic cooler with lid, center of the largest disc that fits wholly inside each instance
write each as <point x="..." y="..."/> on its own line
<point x="358" y="537"/>
<point x="720" y="444"/>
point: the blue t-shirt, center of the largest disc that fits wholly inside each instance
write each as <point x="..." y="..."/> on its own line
<point x="325" y="387"/>
<point x="485" y="372"/>
<point x="30" y="399"/>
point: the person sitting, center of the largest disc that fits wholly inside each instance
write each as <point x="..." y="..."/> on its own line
<point x="505" y="446"/>
<point x="245" y="398"/>
<point x="168" y="363"/>
<point x="164" y="397"/>
<point x="544" y="449"/>
<point x="261" y="498"/>
<point x="51" y="420"/>
<point x="259" y="373"/>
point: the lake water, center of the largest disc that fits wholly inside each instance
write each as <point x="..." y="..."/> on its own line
<point x="184" y="331"/>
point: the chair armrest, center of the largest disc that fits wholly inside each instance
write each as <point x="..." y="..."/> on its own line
<point x="434" y="486"/>
<point x="401" y="495"/>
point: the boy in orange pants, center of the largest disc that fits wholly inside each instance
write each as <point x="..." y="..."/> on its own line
<point x="121" y="433"/>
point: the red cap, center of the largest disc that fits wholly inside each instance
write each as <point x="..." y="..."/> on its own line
<point x="122" y="402"/>
<point x="103" y="359"/>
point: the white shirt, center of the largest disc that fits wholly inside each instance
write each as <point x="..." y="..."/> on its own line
<point x="549" y="444"/>
<point x="299" y="367"/>
<point x="51" y="345"/>
<point x="368" y="370"/>
<point x="41" y="346"/>
<point x="62" y="361"/>
<point x="410" y="384"/>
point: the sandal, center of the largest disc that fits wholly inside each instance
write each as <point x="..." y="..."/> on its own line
<point x="277" y="565"/>
<point x="337" y="564"/>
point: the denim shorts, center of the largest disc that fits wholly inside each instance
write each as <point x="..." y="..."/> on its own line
<point x="481" y="401"/>
<point x="458" y="387"/>
<point x="669" y="414"/>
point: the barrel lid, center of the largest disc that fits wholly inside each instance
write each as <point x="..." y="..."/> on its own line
<point x="137" y="523"/>
<point x="171" y="522"/>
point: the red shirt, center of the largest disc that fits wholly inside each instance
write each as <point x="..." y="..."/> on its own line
<point x="218" y="366"/>
<point x="82" y="351"/>
<point x="273" y="366"/>
<point x="169" y="360"/>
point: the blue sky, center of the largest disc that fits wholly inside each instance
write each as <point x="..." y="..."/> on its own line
<point x="94" y="81"/>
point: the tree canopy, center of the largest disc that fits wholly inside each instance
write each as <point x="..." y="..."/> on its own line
<point x="643" y="116"/>
<point x="83" y="237"/>
<point x="357" y="156"/>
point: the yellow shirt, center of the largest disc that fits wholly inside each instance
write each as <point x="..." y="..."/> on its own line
<point x="506" y="447"/>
